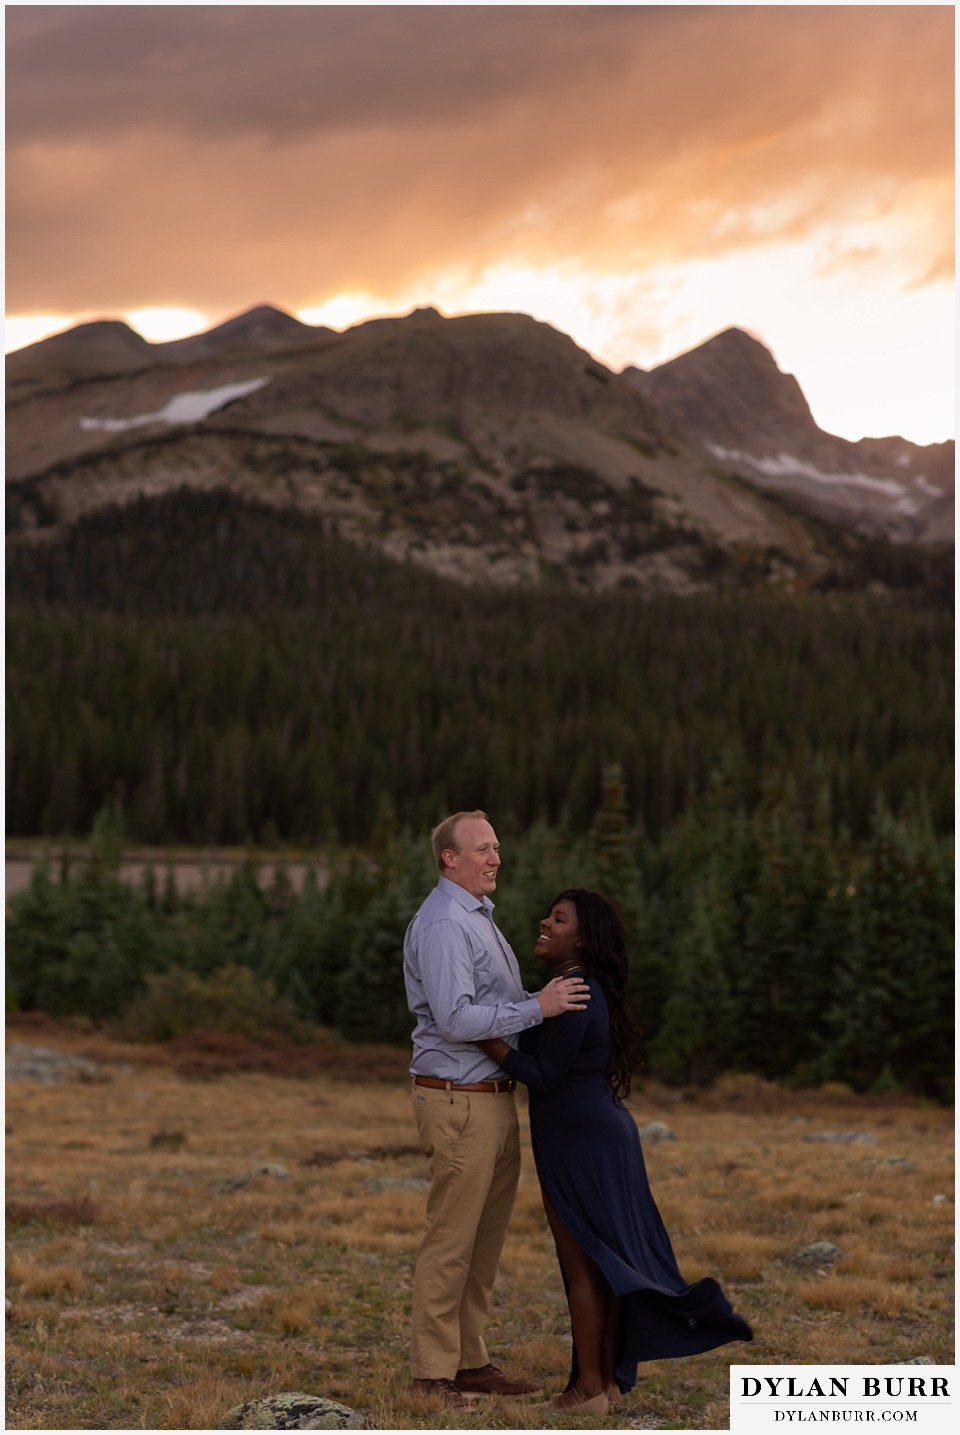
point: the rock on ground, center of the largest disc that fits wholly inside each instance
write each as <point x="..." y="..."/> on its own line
<point x="821" y="1253"/>
<point x="268" y="1168"/>
<point x="846" y="1137"/>
<point x="655" y="1131"/>
<point x="40" y="1063"/>
<point x="293" y="1410"/>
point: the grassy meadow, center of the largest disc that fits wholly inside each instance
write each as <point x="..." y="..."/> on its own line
<point x="146" y="1291"/>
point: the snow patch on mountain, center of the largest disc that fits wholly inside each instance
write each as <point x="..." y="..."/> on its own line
<point x="187" y="408"/>
<point x="785" y="466"/>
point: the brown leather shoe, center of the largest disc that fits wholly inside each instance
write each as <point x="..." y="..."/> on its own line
<point x="442" y="1391"/>
<point x="489" y="1380"/>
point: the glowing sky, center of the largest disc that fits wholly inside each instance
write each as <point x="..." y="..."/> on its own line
<point x="638" y="176"/>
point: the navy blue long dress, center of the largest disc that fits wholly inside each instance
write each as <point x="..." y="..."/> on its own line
<point x="591" y="1168"/>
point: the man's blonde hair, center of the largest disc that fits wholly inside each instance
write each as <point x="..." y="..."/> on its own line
<point x="444" y="835"/>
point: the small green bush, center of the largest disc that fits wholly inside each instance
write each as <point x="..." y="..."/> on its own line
<point x="232" y="999"/>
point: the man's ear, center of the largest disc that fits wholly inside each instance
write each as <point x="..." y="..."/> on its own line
<point x="448" y="854"/>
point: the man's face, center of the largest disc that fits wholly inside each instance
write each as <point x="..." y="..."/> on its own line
<point x="474" y="865"/>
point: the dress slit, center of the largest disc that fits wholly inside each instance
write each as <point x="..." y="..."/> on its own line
<point x="590" y="1163"/>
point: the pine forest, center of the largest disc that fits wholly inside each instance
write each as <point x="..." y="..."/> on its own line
<point x="763" y="783"/>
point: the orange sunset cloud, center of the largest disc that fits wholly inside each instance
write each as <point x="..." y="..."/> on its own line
<point x="639" y="176"/>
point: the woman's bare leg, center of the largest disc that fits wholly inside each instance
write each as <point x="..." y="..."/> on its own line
<point x="611" y="1345"/>
<point x="594" y="1312"/>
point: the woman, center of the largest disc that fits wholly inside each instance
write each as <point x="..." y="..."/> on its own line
<point x="628" y="1301"/>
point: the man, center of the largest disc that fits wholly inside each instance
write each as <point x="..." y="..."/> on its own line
<point x="463" y="985"/>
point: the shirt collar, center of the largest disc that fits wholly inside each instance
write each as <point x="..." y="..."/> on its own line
<point x="466" y="899"/>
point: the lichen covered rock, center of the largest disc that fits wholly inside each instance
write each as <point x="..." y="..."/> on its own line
<point x="655" y="1131"/>
<point x="293" y="1410"/>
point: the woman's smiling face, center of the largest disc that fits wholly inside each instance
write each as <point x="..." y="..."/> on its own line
<point x="559" y="939"/>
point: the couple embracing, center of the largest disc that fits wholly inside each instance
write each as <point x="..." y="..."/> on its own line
<point x="574" y="1045"/>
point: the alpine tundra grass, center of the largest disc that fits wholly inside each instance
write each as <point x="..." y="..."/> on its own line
<point x="186" y="1233"/>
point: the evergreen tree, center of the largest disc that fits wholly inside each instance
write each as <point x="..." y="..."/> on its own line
<point x="697" y="1036"/>
<point x="904" y="913"/>
<point x="613" y="852"/>
<point x="371" y="995"/>
<point x="926" y="1013"/>
<point x="38" y="933"/>
<point x="772" y="1012"/>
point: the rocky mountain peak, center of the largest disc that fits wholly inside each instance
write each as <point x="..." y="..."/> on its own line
<point x="261" y="329"/>
<point x="258" y="322"/>
<point x="98" y="346"/>
<point x="729" y="386"/>
<point x="755" y="421"/>
<point x="101" y="346"/>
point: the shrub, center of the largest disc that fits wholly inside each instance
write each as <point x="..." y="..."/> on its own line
<point x="232" y="999"/>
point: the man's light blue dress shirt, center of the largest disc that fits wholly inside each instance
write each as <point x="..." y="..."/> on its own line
<point x="463" y="984"/>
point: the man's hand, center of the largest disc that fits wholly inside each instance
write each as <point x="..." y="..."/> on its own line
<point x="563" y="994"/>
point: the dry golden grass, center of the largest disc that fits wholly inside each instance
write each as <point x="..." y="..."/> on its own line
<point x="840" y="1292"/>
<point x="147" y="1293"/>
<point x="739" y="1254"/>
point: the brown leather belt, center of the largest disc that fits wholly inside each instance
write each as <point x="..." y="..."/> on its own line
<point x="437" y="1085"/>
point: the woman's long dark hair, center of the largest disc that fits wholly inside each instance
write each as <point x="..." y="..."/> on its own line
<point x="605" y="957"/>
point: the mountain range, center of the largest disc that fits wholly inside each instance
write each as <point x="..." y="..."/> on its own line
<point x="489" y="448"/>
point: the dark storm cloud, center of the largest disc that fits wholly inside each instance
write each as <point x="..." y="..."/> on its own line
<point x="283" y="71"/>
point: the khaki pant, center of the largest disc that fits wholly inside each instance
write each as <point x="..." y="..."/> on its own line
<point x="472" y="1141"/>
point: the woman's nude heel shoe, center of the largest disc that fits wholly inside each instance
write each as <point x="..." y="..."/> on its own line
<point x="614" y="1394"/>
<point x="596" y="1405"/>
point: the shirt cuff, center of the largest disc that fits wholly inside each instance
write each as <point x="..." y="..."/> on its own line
<point x="531" y="1012"/>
